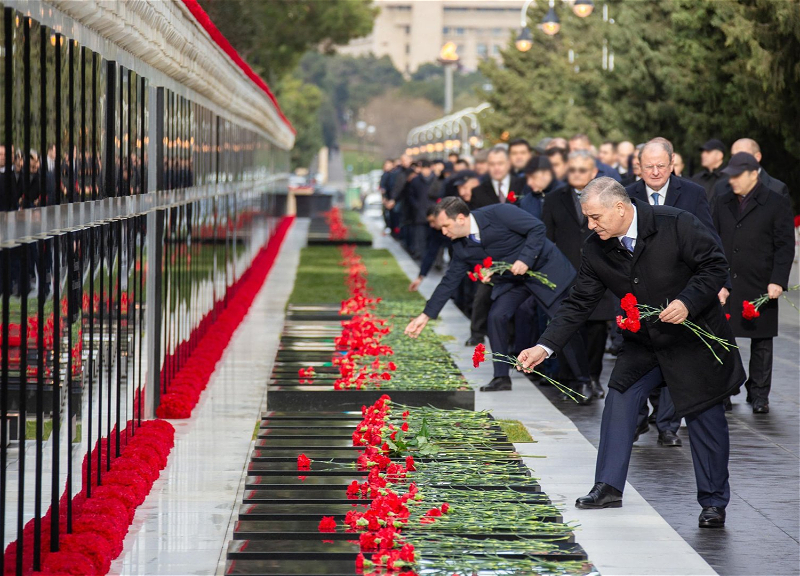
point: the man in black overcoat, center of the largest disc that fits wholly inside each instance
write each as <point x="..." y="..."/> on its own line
<point x="507" y="234"/>
<point x="659" y="186"/>
<point x="666" y="258"/>
<point x="756" y="227"/>
<point x="751" y="147"/>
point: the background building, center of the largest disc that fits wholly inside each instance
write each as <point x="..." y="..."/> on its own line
<point x="412" y="32"/>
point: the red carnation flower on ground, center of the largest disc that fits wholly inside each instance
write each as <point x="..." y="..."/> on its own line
<point x="327" y="524"/>
<point x="749" y="312"/>
<point x="511" y="197"/>
<point x="479" y="355"/>
<point x="303" y="462"/>
<point x="410" y="464"/>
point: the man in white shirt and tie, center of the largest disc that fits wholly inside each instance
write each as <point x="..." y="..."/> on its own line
<point x="500" y="184"/>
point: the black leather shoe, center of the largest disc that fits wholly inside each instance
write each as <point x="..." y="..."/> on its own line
<point x="497" y="384"/>
<point x="585" y="390"/>
<point x="712" y="517"/>
<point x="668" y="438"/>
<point x="597" y="389"/>
<point x="760" y="406"/>
<point x="643" y="428"/>
<point x="600" y="496"/>
<point x="474" y="341"/>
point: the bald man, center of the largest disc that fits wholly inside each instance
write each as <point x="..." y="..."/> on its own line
<point x="751" y="147"/>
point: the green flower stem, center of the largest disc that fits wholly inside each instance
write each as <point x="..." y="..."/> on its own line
<point x="497" y="357"/>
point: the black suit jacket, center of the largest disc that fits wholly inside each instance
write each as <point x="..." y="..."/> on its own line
<point x="484" y="194"/>
<point x="508" y="234"/>
<point x="681" y="193"/>
<point x="675" y="257"/>
<point x="759" y="244"/>
<point x="568" y="231"/>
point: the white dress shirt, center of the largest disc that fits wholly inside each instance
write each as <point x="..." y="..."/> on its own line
<point x="662" y="194"/>
<point x="506" y="183"/>
<point x="473" y="228"/>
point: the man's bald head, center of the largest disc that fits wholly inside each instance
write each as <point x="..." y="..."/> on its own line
<point x="747" y="145"/>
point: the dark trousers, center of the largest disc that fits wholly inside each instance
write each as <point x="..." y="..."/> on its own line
<point x="503" y="310"/>
<point x="530" y="323"/>
<point x="596" y="332"/>
<point x="708" y="434"/>
<point x="759" y="379"/>
<point x="666" y="418"/>
<point x="481" y="304"/>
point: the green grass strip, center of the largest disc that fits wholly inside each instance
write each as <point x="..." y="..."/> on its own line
<point x="515" y="430"/>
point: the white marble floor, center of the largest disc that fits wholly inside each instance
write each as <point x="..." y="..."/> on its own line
<point x="183" y="526"/>
<point x="627" y="541"/>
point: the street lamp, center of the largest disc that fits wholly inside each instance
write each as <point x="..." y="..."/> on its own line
<point x="550" y="23"/>
<point x="448" y="58"/>
<point x="582" y="8"/>
<point x="524" y="40"/>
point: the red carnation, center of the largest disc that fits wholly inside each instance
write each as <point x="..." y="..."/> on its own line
<point x="386" y="376"/>
<point x="479" y="355"/>
<point x="727" y="316"/>
<point x="303" y="462"/>
<point x="327" y="524"/>
<point x="749" y="312"/>
<point x="629" y="302"/>
<point x="410" y="464"/>
<point x="392" y="366"/>
<point x="472" y="276"/>
<point x="511" y="197"/>
<point x="487" y="262"/>
<point x="445" y="508"/>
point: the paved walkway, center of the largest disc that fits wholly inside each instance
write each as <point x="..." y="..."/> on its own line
<point x="184" y="524"/>
<point x="656" y="531"/>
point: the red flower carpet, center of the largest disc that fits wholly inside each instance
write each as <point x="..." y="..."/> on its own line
<point x="184" y="389"/>
<point x="105" y="506"/>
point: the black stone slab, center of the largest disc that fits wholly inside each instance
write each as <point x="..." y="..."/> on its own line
<point x="349" y="455"/>
<point x="339" y="496"/>
<point x="309" y="529"/>
<point x="289" y="568"/>
<point x="349" y="549"/>
<point x="264" y="512"/>
<point x="297" y="482"/>
<point x="336" y="469"/>
<point x="301" y="443"/>
<point x="283" y="398"/>
<point x="332" y="432"/>
<point x="322" y="414"/>
<point x="310" y="423"/>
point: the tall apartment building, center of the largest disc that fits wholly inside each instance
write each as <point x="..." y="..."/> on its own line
<point x="412" y="32"/>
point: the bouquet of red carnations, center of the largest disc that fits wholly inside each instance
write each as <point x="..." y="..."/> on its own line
<point x="489" y="267"/>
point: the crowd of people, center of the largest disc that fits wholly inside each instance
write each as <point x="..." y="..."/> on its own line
<point x="745" y="208"/>
<point x="587" y="236"/>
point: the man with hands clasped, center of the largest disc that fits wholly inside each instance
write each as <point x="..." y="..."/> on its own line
<point x="660" y="255"/>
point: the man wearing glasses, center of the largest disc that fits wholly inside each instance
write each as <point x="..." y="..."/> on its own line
<point x="659" y="186"/>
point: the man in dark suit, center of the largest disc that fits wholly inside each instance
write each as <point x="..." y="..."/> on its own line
<point x="519" y="153"/>
<point x="482" y="297"/>
<point x="501" y="182"/>
<point x="418" y="203"/>
<point x="660" y="255"/>
<point x="712" y="153"/>
<point x="507" y="234"/>
<point x="660" y="186"/>
<point x="751" y="147"/>
<point x="567" y="228"/>
<point x="756" y="227"/>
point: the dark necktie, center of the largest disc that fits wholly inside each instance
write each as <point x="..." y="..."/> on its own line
<point x="474" y="238"/>
<point x="500" y="194"/>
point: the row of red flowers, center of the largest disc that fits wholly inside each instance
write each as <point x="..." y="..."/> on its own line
<point x="361" y="335"/>
<point x="380" y="524"/>
<point x="100" y="521"/>
<point x="184" y="389"/>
